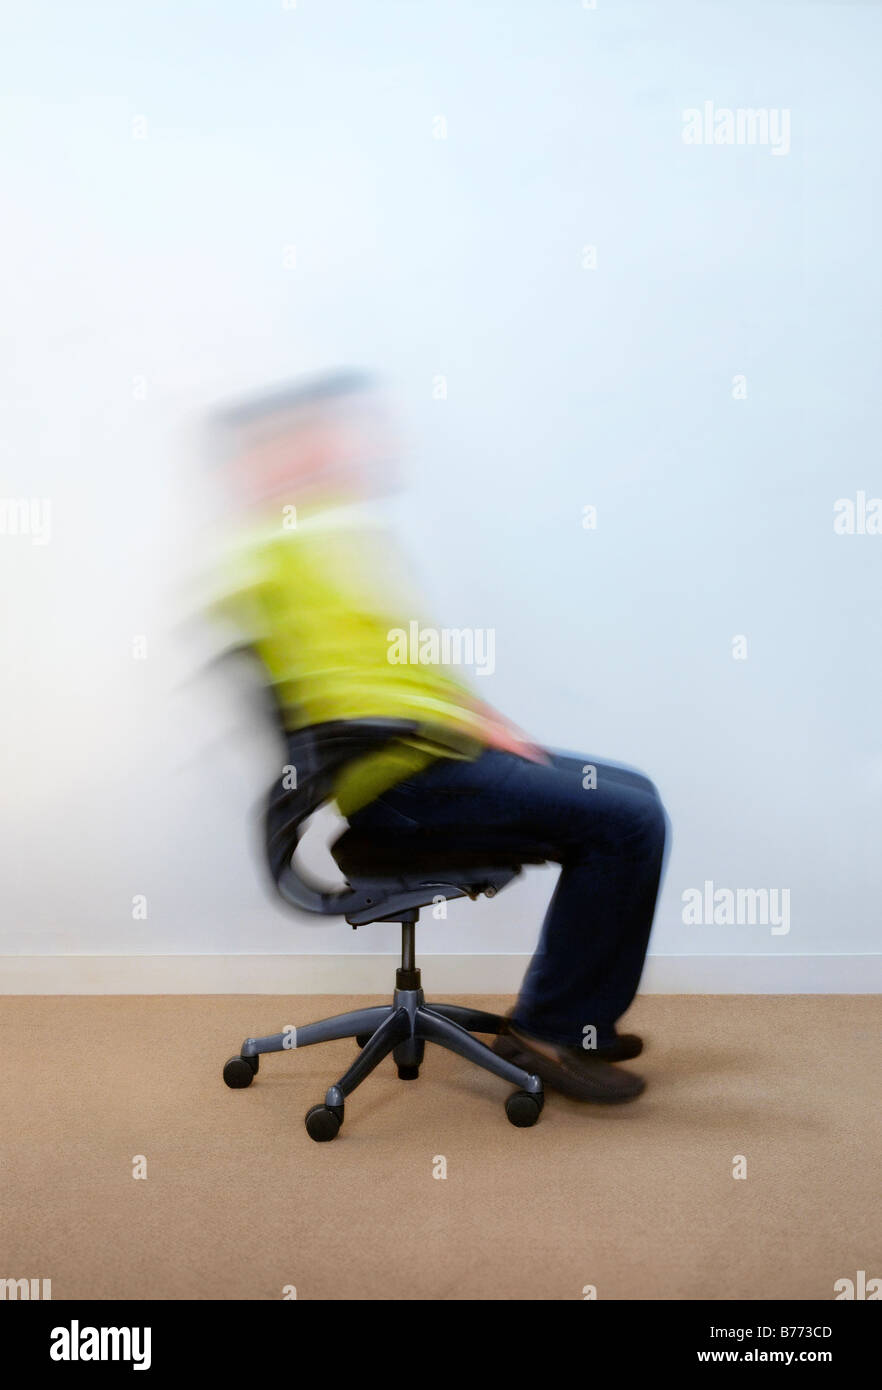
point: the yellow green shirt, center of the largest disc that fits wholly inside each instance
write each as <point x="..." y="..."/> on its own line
<point x="318" y="606"/>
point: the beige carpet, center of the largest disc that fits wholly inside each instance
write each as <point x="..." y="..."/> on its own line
<point x="638" y="1201"/>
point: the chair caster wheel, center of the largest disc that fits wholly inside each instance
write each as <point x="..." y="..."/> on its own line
<point x="239" y="1072"/>
<point x="362" y="1038"/>
<point x="523" y="1108"/>
<point x="406" y="1073"/>
<point x="323" y="1123"/>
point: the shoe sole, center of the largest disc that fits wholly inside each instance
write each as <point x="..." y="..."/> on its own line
<point x="555" y="1075"/>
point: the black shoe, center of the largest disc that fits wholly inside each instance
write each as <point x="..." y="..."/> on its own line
<point x="623" y="1047"/>
<point x="571" y="1070"/>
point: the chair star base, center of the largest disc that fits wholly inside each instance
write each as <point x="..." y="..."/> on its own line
<point x="402" y="1028"/>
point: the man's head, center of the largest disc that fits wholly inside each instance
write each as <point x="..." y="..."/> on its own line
<point x="326" y="442"/>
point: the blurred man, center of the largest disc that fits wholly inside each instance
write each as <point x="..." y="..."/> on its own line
<point x="318" y="594"/>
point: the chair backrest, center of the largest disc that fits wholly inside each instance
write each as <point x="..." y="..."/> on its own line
<point x="315" y="756"/>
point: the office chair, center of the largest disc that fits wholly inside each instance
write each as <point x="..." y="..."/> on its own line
<point x="387" y="880"/>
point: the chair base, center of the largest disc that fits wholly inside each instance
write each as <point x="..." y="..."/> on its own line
<point x="402" y="1028"/>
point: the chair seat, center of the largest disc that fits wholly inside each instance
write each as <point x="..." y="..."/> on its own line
<point x="419" y="855"/>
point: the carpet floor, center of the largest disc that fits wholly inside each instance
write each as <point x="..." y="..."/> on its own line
<point x="637" y="1201"/>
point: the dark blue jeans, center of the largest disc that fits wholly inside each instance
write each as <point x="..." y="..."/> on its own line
<point x="610" y="840"/>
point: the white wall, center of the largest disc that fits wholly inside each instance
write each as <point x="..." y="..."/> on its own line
<point x="163" y="258"/>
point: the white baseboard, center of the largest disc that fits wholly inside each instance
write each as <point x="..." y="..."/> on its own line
<point x="445" y="974"/>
